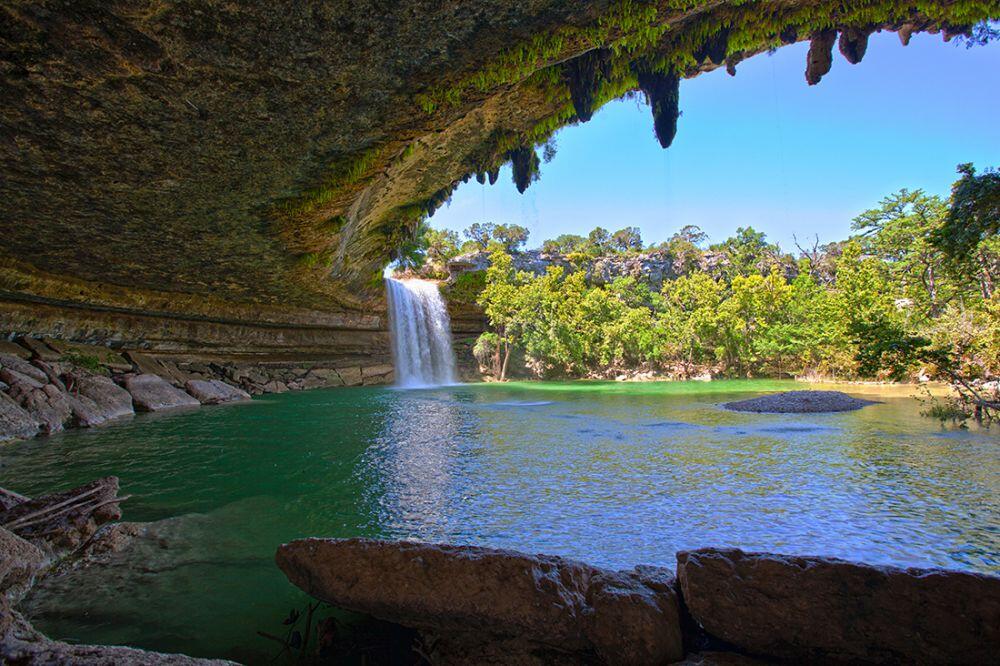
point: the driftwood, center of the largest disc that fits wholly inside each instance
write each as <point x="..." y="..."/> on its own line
<point x="67" y="519"/>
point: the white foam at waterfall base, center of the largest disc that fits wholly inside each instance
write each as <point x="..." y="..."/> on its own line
<point x="421" y="334"/>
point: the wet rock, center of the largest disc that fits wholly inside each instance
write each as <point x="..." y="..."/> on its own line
<point x="107" y="400"/>
<point x="809" y="609"/>
<point x="152" y="393"/>
<point x="47" y="404"/>
<point x="627" y="617"/>
<point x="63" y="521"/>
<point x="719" y="659"/>
<point x="23" y="644"/>
<point x="819" y="60"/>
<point x="15" y="421"/>
<point x="19" y="562"/>
<point x="215" y="392"/>
<point x="800" y="402"/>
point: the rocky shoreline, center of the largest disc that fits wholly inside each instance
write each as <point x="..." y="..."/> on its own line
<point x="48" y="385"/>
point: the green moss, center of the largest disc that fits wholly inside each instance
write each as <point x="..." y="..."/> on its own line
<point x="346" y="172"/>
<point x="85" y="361"/>
<point x="466" y="287"/>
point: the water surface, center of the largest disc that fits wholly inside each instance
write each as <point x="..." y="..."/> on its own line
<point x="612" y="474"/>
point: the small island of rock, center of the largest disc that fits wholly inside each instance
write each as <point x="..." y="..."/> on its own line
<point x="800" y="402"/>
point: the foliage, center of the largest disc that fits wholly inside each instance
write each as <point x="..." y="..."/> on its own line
<point x="882" y="305"/>
<point x="512" y="237"/>
<point x="85" y="361"/>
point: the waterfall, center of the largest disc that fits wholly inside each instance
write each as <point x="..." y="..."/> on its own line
<point x="421" y="334"/>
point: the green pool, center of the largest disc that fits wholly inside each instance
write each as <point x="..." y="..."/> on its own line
<point x="613" y="474"/>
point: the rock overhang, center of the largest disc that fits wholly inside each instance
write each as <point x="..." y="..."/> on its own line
<point x="250" y="155"/>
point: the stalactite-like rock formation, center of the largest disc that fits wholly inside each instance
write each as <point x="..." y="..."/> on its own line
<point x="524" y="163"/>
<point x="820" y="57"/>
<point x="583" y="77"/>
<point x="663" y="94"/>
<point x="714" y="49"/>
<point x="853" y="45"/>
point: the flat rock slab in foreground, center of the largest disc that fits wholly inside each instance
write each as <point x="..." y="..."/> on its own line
<point x="626" y="617"/>
<point x="810" y="609"/>
<point x="800" y="402"/>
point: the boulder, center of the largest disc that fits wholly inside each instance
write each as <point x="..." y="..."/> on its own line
<point x="626" y="617"/>
<point x="19" y="562"/>
<point x="18" y="364"/>
<point x="15" y="421"/>
<point x="215" y="392"/>
<point x="275" y="386"/>
<point x="809" y="609"/>
<point x="152" y="393"/>
<point x="47" y="403"/>
<point x="107" y="400"/>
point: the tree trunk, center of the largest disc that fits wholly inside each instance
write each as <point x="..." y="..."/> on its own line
<point x="506" y="360"/>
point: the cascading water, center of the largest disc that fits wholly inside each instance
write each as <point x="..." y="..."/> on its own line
<point x="421" y="334"/>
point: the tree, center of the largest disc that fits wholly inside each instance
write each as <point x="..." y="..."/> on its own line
<point x="499" y="300"/>
<point x="512" y="236"/>
<point x="899" y="233"/>
<point x="627" y="239"/>
<point x="972" y="222"/>
<point x="564" y="244"/>
<point x="442" y="245"/>
<point x="748" y="253"/>
<point x="684" y="250"/>
<point x="480" y="233"/>
<point x="600" y="240"/>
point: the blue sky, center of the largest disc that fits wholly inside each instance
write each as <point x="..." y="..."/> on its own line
<point x="764" y="149"/>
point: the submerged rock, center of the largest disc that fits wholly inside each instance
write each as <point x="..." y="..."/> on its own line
<point x="152" y="393"/>
<point x="810" y="609"/>
<point x="215" y="392"/>
<point x="20" y="643"/>
<point x="461" y="592"/>
<point x="800" y="402"/>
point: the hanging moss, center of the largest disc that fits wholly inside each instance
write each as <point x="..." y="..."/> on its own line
<point x="583" y="78"/>
<point x="853" y="44"/>
<point x="494" y="175"/>
<point x="714" y="48"/>
<point x="819" y="60"/>
<point x="525" y="164"/>
<point x="663" y="94"/>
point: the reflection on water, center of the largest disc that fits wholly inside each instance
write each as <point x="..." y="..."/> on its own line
<point x="612" y="474"/>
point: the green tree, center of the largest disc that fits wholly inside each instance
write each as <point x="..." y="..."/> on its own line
<point x="480" y="233"/>
<point x="512" y="236"/>
<point x="627" y="239"/>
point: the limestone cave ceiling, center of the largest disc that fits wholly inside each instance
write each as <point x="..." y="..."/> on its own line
<point x="277" y="153"/>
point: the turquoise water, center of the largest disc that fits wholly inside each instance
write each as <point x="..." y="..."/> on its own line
<point x="613" y="474"/>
